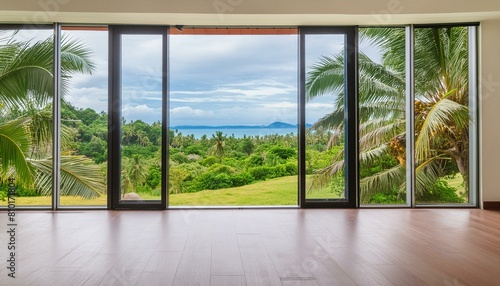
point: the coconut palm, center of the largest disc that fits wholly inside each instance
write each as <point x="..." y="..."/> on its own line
<point x="137" y="171"/>
<point x="26" y="129"/>
<point x="441" y="113"/>
<point x="218" y="148"/>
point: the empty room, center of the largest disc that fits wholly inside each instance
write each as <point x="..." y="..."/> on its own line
<point x="233" y="142"/>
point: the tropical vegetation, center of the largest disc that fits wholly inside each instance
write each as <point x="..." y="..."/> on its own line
<point x="222" y="161"/>
<point x="441" y="113"/>
<point x="26" y="122"/>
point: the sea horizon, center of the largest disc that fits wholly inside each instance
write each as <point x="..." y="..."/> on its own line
<point x="237" y="132"/>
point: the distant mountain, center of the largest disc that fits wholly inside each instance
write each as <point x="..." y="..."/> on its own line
<point x="274" y="125"/>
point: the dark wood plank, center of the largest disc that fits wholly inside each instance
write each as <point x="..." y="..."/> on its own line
<point x="252" y="247"/>
<point x="226" y="257"/>
<point x="228" y="281"/>
<point x="258" y="268"/>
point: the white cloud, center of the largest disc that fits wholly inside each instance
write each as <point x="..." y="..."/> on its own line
<point x="320" y="105"/>
<point x="141" y="112"/>
<point x="280" y="105"/>
<point x="89" y="97"/>
<point x="187" y="111"/>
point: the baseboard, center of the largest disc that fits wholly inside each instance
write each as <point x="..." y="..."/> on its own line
<point x="491" y="205"/>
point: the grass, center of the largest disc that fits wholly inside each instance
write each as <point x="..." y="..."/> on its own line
<point x="280" y="191"/>
<point x="276" y="192"/>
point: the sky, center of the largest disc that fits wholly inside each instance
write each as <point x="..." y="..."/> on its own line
<point x="213" y="79"/>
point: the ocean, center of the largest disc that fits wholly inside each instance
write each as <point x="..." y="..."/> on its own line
<point x="237" y="132"/>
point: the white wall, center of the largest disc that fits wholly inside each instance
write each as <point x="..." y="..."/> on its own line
<point x="490" y="109"/>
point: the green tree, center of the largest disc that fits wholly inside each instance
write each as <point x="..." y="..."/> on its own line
<point x="137" y="172"/>
<point x="441" y="111"/>
<point x="26" y="92"/>
<point x="218" y="148"/>
<point x="177" y="175"/>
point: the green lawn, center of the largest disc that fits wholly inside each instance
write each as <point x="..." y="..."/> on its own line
<point x="275" y="192"/>
<point x="280" y="191"/>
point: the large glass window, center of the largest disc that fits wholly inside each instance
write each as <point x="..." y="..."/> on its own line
<point x="382" y="116"/>
<point x="325" y="140"/>
<point x="443" y="115"/>
<point x="84" y="119"/>
<point x="233" y="117"/>
<point x="26" y="121"/>
<point x="329" y="129"/>
<point x="241" y="117"/>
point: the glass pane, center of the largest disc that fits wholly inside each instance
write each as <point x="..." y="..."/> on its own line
<point x="26" y="126"/>
<point x="84" y="118"/>
<point x="442" y="118"/>
<point x="233" y="119"/>
<point x="382" y="107"/>
<point x="324" y="60"/>
<point x="141" y="83"/>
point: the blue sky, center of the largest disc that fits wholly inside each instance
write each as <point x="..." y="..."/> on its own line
<point x="214" y="80"/>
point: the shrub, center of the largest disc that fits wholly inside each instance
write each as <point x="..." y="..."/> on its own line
<point x="193" y="150"/>
<point x="241" y="179"/>
<point x="179" y="157"/>
<point x="441" y="192"/>
<point x="209" y="161"/>
<point x="283" y="152"/>
<point x="254" y="161"/>
<point x="259" y="173"/>
<point x="387" y="198"/>
<point x="291" y="168"/>
<point x="154" y="176"/>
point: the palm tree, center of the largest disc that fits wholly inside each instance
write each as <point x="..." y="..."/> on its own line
<point x="441" y="112"/>
<point x="26" y="130"/>
<point x="218" y="148"/>
<point x="137" y="171"/>
<point x="177" y="175"/>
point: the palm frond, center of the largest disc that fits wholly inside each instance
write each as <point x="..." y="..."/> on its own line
<point x="376" y="132"/>
<point x="368" y="157"/>
<point x="443" y="113"/>
<point x="79" y="177"/>
<point x="14" y="145"/>
<point x="427" y="173"/>
<point x="381" y="182"/>
<point x="325" y="76"/>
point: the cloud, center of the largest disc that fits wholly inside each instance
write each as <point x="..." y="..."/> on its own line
<point x="187" y="111"/>
<point x="141" y="112"/>
<point x="88" y="97"/>
<point x="320" y="105"/>
<point x="282" y="105"/>
<point x="214" y="80"/>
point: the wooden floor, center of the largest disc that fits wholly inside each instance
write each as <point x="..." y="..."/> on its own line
<point x="255" y="247"/>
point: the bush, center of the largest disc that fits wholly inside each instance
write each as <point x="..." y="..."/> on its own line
<point x="441" y="192"/>
<point x="254" y="161"/>
<point x="216" y="177"/>
<point x="212" y="181"/>
<point x="20" y="191"/>
<point x="264" y="172"/>
<point x="259" y="173"/>
<point x="241" y="179"/>
<point x="209" y="161"/>
<point x="144" y="189"/>
<point x="292" y="169"/>
<point x="387" y="198"/>
<point x="193" y="150"/>
<point x="179" y="157"/>
<point x="282" y="152"/>
<point x="154" y="177"/>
